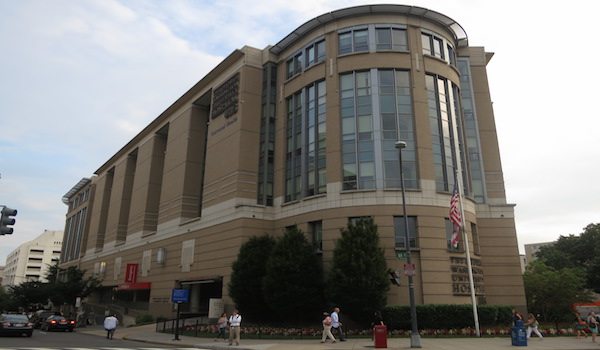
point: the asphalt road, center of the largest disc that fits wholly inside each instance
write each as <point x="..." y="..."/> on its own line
<point x="66" y="340"/>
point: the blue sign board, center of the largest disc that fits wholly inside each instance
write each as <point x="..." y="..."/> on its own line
<point x="180" y="296"/>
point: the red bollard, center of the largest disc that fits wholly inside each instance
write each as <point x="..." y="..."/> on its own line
<point x="380" y="336"/>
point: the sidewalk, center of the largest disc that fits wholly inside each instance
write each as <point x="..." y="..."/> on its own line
<point x="147" y="334"/>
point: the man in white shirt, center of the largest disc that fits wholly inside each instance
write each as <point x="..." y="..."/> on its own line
<point x="336" y="325"/>
<point x="235" y="322"/>
<point x="110" y="324"/>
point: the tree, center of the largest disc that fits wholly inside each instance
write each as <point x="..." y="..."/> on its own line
<point x="29" y="294"/>
<point x="576" y="251"/>
<point x="245" y="287"/>
<point x="358" y="280"/>
<point x="293" y="283"/>
<point x="65" y="285"/>
<point x="551" y="292"/>
<point x="7" y="301"/>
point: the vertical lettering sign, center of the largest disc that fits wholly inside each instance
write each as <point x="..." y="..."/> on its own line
<point x="226" y="97"/>
<point x="460" y="276"/>
<point x="131" y="273"/>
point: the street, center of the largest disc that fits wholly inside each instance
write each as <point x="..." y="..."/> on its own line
<point x="64" y="340"/>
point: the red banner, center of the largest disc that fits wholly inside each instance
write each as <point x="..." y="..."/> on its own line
<point x="131" y="273"/>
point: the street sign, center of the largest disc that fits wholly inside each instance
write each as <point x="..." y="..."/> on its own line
<point x="409" y="269"/>
<point x="180" y="295"/>
<point x="401" y="254"/>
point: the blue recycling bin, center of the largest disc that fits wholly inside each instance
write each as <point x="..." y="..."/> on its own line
<point x="518" y="334"/>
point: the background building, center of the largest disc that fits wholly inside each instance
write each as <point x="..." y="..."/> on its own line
<point x="302" y="133"/>
<point x="532" y="249"/>
<point x="30" y="261"/>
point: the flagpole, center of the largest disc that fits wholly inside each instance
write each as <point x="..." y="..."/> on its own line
<point x="467" y="252"/>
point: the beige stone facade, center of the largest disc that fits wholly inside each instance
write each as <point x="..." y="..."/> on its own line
<point x="215" y="168"/>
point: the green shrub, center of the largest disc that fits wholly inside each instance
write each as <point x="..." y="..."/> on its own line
<point x="446" y="316"/>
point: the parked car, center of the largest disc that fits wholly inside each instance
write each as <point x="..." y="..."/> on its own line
<point x="15" y="324"/>
<point x="57" y="323"/>
<point x="39" y="316"/>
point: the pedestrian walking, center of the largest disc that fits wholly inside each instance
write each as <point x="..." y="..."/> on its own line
<point x="235" y="322"/>
<point x="336" y="324"/>
<point x="592" y="322"/>
<point x="110" y="325"/>
<point x="327" y="328"/>
<point x="222" y="327"/>
<point x="532" y="326"/>
<point x="580" y="325"/>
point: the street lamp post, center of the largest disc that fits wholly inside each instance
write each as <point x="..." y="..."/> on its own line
<point x="415" y="338"/>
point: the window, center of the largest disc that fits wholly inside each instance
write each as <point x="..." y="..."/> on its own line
<point x="315" y="53"/>
<point x="434" y="45"/>
<point x="451" y="55"/>
<point x="357" y="131"/>
<point x="267" y="135"/>
<point x="475" y="236"/>
<point x="354" y="220"/>
<point x="294" y="65"/>
<point x="400" y="229"/>
<point x="355" y="40"/>
<point x="311" y="54"/>
<point x="449" y="233"/>
<point x="391" y="39"/>
<point x="442" y="116"/>
<point x="395" y="107"/>
<point x="316" y="229"/>
<point x="305" y="173"/>
<point x="362" y="157"/>
<point x="471" y="132"/>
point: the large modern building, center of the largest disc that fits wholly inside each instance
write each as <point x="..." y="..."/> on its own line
<point x="31" y="260"/>
<point x="302" y="133"/>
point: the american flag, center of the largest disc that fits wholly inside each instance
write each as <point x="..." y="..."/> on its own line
<point x="455" y="217"/>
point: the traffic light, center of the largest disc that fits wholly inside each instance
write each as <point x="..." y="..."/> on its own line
<point x="394" y="277"/>
<point x="6" y="219"/>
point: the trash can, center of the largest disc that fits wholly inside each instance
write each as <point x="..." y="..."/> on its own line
<point x="380" y="336"/>
<point x="518" y="334"/>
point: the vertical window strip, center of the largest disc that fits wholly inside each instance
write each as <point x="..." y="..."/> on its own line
<point x="442" y="107"/>
<point x="364" y="127"/>
<point x="436" y="135"/>
<point x="348" y="114"/>
<point x="395" y="107"/>
<point x="321" y="137"/>
<point x="306" y="142"/>
<point x="460" y="139"/>
<point x="445" y="120"/>
<point x="396" y="123"/>
<point x="406" y="129"/>
<point x="472" y="143"/>
<point x="267" y="136"/>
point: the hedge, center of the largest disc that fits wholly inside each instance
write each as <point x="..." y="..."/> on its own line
<point x="446" y="316"/>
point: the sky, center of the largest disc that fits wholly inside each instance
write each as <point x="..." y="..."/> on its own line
<point x="79" y="79"/>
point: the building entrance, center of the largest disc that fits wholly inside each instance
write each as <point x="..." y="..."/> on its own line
<point x="201" y="291"/>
